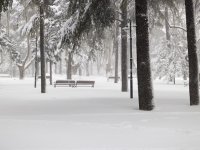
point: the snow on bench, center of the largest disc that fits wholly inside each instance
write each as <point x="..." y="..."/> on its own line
<point x="70" y="83"/>
<point x="85" y="83"/>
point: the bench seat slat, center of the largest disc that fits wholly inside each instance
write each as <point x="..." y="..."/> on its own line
<point x="65" y="82"/>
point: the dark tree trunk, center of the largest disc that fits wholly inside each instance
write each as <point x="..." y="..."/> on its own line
<point x="21" y="72"/>
<point x="69" y="66"/>
<point x="124" y="72"/>
<point x="50" y="69"/>
<point x="143" y="59"/>
<point x="116" y="46"/>
<point x="42" y="51"/>
<point x="192" y="53"/>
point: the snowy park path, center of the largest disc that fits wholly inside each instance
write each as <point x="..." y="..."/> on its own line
<point x="100" y="118"/>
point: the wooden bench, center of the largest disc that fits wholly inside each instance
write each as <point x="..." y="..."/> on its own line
<point x="70" y="83"/>
<point x="85" y="83"/>
<point x="112" y="77"/>
<point x="4" y="76"/>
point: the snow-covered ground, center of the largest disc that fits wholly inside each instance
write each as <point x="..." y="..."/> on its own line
<point x="100" y="118"/>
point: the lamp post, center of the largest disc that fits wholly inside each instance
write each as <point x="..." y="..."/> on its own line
<point x="131" y="54"/>
<point x="131" y="61"/>
<point x="36" y="60"/>
<point x="131" y="57"/>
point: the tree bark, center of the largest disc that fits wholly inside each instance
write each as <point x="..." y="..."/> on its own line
<point x="42" y="51"/>
<point x="69" y="66"/>
<point x="143" y="58"/>
<point x="51" y="73"/>
<point x="87" y="69"/>
<point x="21" y="72"/>
<point x="124" y="72"/>
<point x="8" y="33"/>
<point x="56" y="68"/>
<point x="192" y="53"/>
<point x="167" y="26"/>
<point x="116" y="46"/>
<point x="36" y="60"/>
<point x="60" y="64"/>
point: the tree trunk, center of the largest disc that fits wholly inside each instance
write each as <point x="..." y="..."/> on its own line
<point x="116" y="46"/>
<point x="42" y="51"/>
<point x="69" y="66"/>
<point x="124" y="72"/>
<point x="98" y="68"/>
<point x="87" y="69"/>
<point x="167" y="26"/>
<point x="21" y="72"/>
<point x="91" y="68"/>
<point x="168" y="37"/>
<point x="33" y="69"/>
<point x="8" y="22"/>
<point x="80" y="71"/>
<point x="1" y="62"/>
<point x="192" y="53"/>
<point x="8" y="33"/>
<point x="36" y="61"/>
<point x="143" y="58"/>
<point x="60" y="64"/>
<point x="56" y="68"/>
<point x="50" y="69"/>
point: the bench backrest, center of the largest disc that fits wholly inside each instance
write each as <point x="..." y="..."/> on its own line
<point x="84" y="82"/>
<point x="65" y="81"/>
